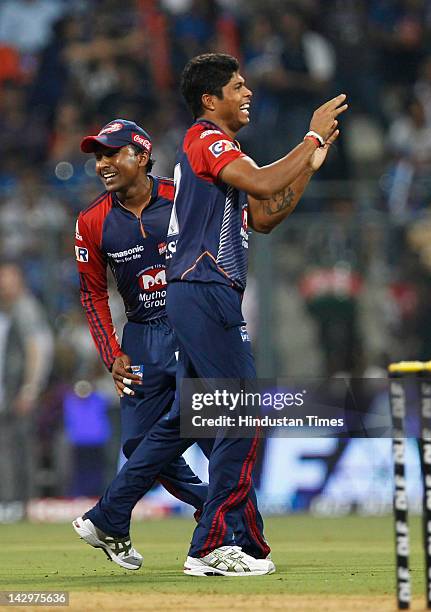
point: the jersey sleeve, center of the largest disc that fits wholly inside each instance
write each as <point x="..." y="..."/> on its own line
<point x="210" y="154"/>
<point x="92" y="270"/>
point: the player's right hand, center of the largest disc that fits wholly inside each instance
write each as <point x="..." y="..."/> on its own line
<point x="123" y="376"/>
<point x="324" y="119"/>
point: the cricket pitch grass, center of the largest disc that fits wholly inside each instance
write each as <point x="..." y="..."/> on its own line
<point x="323" y="564"/>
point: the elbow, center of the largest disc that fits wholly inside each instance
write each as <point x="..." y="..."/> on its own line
<point x="262" y="228"/>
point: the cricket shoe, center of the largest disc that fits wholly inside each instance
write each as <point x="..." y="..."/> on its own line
<point x="228" y="561"/>
<point x="117" y="549"/>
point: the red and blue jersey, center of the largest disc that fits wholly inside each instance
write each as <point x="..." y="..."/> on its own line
<point x="207" y="233"/>
<point x="108" y="234"/>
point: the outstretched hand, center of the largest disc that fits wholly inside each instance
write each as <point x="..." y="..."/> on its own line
<point x="320" y="153"/>
<point x="324" y="119"/>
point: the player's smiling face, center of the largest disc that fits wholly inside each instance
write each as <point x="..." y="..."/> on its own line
<point x="119" y="169"/>
<point x="234" y="107"/>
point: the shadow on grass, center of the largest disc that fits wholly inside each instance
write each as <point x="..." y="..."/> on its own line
<point x="138" y="581"/>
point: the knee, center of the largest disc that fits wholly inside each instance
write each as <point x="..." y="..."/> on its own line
<point x="129" y="446"/>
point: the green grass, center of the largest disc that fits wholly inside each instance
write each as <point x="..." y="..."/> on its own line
<point x="351" y="555"/>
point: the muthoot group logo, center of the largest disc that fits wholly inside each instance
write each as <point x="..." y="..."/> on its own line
<point x="152" y="278"/>
<point x="152" y="282"/>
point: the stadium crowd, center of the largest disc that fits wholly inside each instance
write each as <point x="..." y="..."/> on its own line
<point x="68" y="67"/>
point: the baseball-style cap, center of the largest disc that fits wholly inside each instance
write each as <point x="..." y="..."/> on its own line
<point x="118" y="133"/>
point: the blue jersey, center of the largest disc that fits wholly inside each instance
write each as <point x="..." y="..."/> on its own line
<point x="108" y="234"/>
<point x="207" y="235"/>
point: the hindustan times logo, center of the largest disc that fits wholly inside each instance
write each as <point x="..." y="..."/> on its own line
<point x="241" y="399"/>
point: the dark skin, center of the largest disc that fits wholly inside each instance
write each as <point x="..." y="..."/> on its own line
<point x="268" y="213"/>
<point x="274" y="190"/>
<point x="125" y="172"/>
<point x="130" y="180"/>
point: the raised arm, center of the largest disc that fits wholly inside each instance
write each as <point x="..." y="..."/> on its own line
<point x="263" y="182"/>
<point x="266" y="214"/>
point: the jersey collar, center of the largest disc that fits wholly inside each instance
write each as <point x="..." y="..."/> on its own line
<point x="154" y="193"/>
<point x="211" y="124"/>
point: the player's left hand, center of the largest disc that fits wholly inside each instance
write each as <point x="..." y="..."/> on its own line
<point x="320" y="153"/>
<point x="123" y="376"/>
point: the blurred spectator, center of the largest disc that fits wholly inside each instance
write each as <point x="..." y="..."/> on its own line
<point x="26" y="24"/>
<point x="17" y="128"/>
<point x="66" y="133"/>
<point x="398" y="33"/>
<point x="193" y="30"/>
<point x="297" y="66"/>
<point x="26" y="361"/>
<point x="87" y="430"/>
<point x="409" y="142"/>
<point x="422" y="88"/>
<point x="346" y="23"/>
<point x="409" y="135"/>
<point x="26" y="215"/>
<point x="331" y="295"/>
<point x="53" y="77"/>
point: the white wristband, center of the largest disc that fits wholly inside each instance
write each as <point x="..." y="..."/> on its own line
<point x="316" y="135"/>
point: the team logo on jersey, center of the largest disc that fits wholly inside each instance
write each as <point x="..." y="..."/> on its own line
<point x="77" y="234"/>
<point x="244" y="334"/>
<point x="81" y="254"/>
<point x="245" y="218"/>
<point x="152" y="282"/>
<point x="171" y="249"/>
<point x="162" y="246"/>
<point x="113" y="127"/>
<point x="208" y="133"/>
<point x="153" y="278"/>
<point x="244" y="227"/>
<point x="222" y="146"/>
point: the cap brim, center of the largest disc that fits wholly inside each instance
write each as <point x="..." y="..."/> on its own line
<point x="90" y="143"/>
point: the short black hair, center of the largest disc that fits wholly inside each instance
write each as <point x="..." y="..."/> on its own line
<point x="150" y="162"/>
<point x="206" y="74"/>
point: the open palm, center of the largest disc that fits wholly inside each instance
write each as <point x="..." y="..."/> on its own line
<point x="320" y="154"/>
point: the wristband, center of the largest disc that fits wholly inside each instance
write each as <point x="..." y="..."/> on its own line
<point x="317" y="137"/>
<point x="316" y="142"/>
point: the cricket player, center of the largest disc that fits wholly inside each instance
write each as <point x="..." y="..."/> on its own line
<point x="125" y="228"/>
<point x="219" y="193"/>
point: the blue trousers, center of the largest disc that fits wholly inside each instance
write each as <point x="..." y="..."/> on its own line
<point x="209" y="326"/>
<point x="207" y="319"/>
<point x="152" y="344"/>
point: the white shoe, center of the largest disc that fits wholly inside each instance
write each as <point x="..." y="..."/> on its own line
<point x="228" y="561"/>
<point x="119" y="550"/>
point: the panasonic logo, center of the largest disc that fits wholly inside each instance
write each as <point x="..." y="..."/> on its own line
<point x="136" y="249"/>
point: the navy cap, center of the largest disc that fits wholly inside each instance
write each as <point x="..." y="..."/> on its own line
<point x="116" y="134"/>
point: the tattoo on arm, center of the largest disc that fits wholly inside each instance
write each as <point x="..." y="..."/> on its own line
<point x="280" y="201"/>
